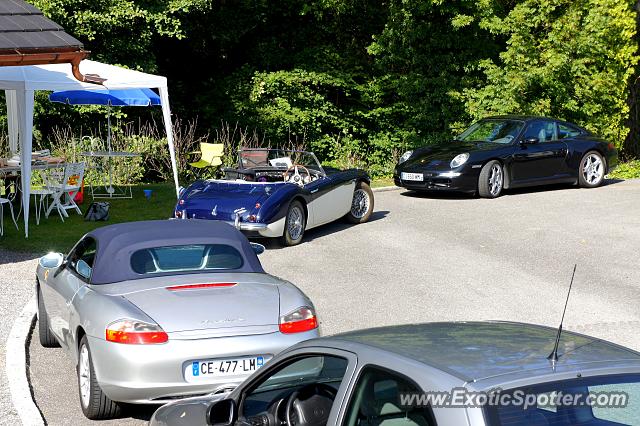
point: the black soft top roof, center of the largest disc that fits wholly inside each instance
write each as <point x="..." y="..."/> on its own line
<point x="116" y="243"/>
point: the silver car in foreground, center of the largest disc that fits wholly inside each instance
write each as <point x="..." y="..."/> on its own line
<point x="157" y="310"/>
<point x="453" y="374"/>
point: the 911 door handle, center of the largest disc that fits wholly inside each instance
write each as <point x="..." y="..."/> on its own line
<point x="313" y="191"/>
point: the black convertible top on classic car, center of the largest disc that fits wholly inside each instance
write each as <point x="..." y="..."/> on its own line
<point x="116" y="243"/>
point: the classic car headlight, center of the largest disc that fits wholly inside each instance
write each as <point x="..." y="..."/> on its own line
<point x="405" y="157"/>
<point x="459" y="160"/>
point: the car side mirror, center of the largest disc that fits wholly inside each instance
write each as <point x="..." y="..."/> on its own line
<point x="529" y="141"/>
<point x="223" y="413"/>
<point x="257" y="248"/>
<point x="51" y="260"/>
<point x="83" y="269"/>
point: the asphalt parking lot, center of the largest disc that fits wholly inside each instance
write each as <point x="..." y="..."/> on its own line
<point x="443" y="257"/>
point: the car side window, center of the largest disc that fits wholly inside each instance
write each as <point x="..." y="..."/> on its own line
<point x="377" y="401"/>
<point x="302" y="389"/>
<point x="565" y="131"/>
<point x="82" y="257"/>
<point x="543" y="130"/>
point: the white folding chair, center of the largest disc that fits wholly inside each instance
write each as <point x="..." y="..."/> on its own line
<point x="4" y="201"/>
<point x="41" y="194"/>
<point x="65" y="191"/>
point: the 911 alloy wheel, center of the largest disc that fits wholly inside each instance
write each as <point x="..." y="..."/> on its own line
<point x="491" y="180"/>
<point x="592" y="169"/>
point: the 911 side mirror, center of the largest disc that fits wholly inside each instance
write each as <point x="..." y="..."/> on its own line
<point x="258" y="248"/>
<point x="529" y="141"/>
<point x="51" y="260"/>
<point x="223" y="413"/>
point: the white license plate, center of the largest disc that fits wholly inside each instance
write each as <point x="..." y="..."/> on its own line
<point x="203" y="370"/>
<point x="412" y="176"/>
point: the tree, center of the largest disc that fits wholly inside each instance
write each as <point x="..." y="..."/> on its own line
<point x="569" y="59"/>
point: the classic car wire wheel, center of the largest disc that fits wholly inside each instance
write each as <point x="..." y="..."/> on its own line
<point x="360" y="203"/>
<point x="592" y="169"/>
<point x="295" y="222"/>
<point x="84" y="375"/>
<point x="495" y="179"/>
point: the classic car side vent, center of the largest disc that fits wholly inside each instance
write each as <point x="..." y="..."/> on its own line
<point x="199" y="286"/>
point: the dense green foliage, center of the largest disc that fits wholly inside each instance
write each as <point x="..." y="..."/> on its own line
<point x="360" y="81"/>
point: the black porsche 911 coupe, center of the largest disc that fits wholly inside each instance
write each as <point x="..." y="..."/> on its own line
<point x="504" y="152"/>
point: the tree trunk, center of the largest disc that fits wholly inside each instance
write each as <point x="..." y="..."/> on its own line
<point x="631" y="145"/>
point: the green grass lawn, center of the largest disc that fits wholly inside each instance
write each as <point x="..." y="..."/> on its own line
<point x="54" y="235"/>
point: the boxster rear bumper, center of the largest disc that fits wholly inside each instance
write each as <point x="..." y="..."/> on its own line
<point x="143" y="374"/>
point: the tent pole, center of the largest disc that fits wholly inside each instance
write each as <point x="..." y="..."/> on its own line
<point x="166" y="114"/>
<point x="25" y="106"/>
<point x="12" y="120"/>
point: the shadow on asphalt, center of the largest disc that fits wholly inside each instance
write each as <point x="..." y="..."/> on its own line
<point x="139" y="412"/>
<point x="321" y="231"/>
<point x="447" y="195"/>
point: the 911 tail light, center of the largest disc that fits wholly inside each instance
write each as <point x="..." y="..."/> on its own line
<point x="302" y="319"/>
<point x="135" y="333"/>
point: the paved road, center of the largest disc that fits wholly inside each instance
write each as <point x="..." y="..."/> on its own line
<point x="434" y="258"/>
<point x="16" y="282"/>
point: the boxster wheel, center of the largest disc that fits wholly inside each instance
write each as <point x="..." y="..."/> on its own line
<point x="47" y="340"/>
<point x="94" y="403"/>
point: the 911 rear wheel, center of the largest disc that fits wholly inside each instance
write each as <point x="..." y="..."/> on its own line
<point x="592" y="170"/>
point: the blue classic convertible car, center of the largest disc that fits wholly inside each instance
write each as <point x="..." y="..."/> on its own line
<point x="279" y="193"/>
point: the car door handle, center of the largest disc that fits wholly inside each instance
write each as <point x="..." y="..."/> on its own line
<point x="313" y="191"/>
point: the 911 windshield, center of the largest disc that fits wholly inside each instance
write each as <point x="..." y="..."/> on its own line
<point x="494" y="130"/>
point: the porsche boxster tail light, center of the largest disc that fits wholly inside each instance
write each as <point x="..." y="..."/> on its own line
<point x="135" y="333"/>
<point x="302" y="319"/>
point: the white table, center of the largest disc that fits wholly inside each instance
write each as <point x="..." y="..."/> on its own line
<point x="101" y="160"/>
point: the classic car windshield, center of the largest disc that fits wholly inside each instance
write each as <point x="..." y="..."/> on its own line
<point x="194" y="257"/>
<point x="492" y="130"/>
<point x="277" y="158"/>
<point x="610" y="400"/>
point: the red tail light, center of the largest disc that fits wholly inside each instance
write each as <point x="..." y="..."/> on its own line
<point x="302" y="319"/>
<point x="135" y="333"/>
<point x="197" y="286"/>
<point x="611" y="146"/>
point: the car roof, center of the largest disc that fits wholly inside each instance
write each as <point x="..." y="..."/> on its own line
<point x="473" y="351"/>
<point x="117" y="242"/>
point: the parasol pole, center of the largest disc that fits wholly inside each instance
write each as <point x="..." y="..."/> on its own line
<point x="110" y="189"/>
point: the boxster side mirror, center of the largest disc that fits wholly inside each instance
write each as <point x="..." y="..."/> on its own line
<point x="223" y="413"/>
<point x="51" y="260"/>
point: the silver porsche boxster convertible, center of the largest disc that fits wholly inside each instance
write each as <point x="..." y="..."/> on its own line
<point x="157" y="310"/>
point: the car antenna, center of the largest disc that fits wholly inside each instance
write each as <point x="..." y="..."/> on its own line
<point x="553" y="356"/>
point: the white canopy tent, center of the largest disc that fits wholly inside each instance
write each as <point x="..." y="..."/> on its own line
<point x="21" y="82"/>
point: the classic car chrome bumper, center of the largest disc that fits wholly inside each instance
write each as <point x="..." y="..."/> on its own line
<point x="249" y="226"/>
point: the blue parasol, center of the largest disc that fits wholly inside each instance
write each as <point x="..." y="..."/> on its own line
<point x="127" y="97"/>
<point x="122" y="97"/>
